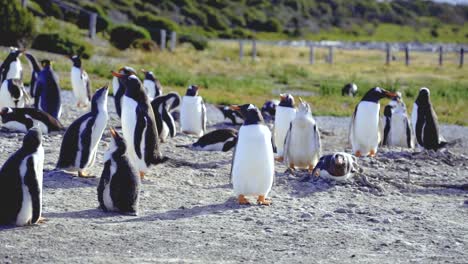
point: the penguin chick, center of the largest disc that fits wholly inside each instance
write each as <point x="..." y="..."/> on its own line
<point x="349" y="89"/>
<point x="162" y="107"/>
<point x="217" y="140"/>
<point x="338" y="166"/>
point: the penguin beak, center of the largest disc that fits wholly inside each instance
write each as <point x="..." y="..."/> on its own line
<point x="118" y="75"/>
<point x="235" y="107"/>
<point x="113" y="132"/>
<point x="300" y="100"/>
<point x="282" y="97"/>
<point x="390" y="94"/>
<point x="144" y="71"/>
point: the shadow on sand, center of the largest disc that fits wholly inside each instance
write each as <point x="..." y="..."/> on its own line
<point x="55" y="179"/>
<point x="83" y="214"/>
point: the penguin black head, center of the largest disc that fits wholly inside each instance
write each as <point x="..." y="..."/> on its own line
<point x="76" y="61"/>
<point x="15" y="53"/>
<point x="46" y="63"/>
<point x="5" y="111"/>
<point x="423" y="97"/>
<point x="286" y="100"/>
<point x="149" y="75"/>
<point x="127" y="70"/>
<point x="99" y="99"/>
<point x="133" y="87"/>
<point x="32" y="139"/>
<point x="377" y="93"/>
<point x="192" y="90"/>
<point x="250" y="112"/>
<point x="118" y="142"/>
<point x="339" y="164"/>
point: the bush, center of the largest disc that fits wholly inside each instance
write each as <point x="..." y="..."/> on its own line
<point x="123" y="35"/>
<point x="50" y="9"/>
<point x="198" y="42"/>
<point x="102" y="22"/>
<point x="16" y="24"/>
<point x="63" y="44"/>
<point x="144" y="44"/>
<point x="154" y="24"/>
<point x="216" y="20"/>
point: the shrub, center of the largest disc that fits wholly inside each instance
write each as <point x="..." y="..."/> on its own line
<point x="16" y="24"/>
<point x="123" y="35"/>
<point x="144" y="44"/>
<point x="62" y="44"/>
<point x="154" y="24"/>
<point x="198" y="42"/>
<point x="102" y="22"/>
<point x="50" y="9"/>
<point x="216" y="20"/>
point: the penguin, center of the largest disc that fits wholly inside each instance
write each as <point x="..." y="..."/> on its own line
<point x="235" y="117"/>
<point x="349" y="89"/>
<point x="35" y="69"/>
<point x="152" y="85"/>
<point x="119" y="90"/>
<point x="119" y="186"/>
<point x="21" y="183"/>
<point x="139" y="125"/>
<point x="397" y="127"/>
<point x="302" y="146"/>
<point x="365" y="129"/>
<point x="47" y="95"/>
<point x="253" y="166"/>
<point x="217" y="140"/>
<point x="23" y="119"/>
<point x="80" y="82"/>
<point x="269" y="110"/>
<point x="285" y="113"/>
<point x="81" y="140"/>
<point x="193" y="113"/>
<point x="425" y="122"/>
<point x="13" y="94"/>
<point x="11" y="67"/>
<point x="162" y="107"/>
<point x="338" y="166"/>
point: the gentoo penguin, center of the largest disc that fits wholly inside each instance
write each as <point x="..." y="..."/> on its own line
<point x="285" y="113"/>
<point x="338" y="166"/>
<point x="13" y="94"/>
<point x="21" y="183"/>
<point x="162" y="106"/>
<point x="302" y="144"/>
<point x="35" y="69"/>
<point x="119" y="185"/>
<point x="11" y="67"/>
<point x="217" y="140"/>
<point x="119" y="90"/>
<point x="81" y="140"/>
<point x="253" y="166"/>
<point x="138" y="125"/>
<point x="365" y="130"/>
<point x="23" y="119"/>
<point x="425" y="122"/>
<point x="80" y="82"/>
<point x="235" y="117"/>
<point x="269" y="109"/>
<point x="349" y="89"/>
<point x="397" y="127"/>
<point x="48" y="91"/>
<point x="152" y="85"/>
<point x="193" y="113"/>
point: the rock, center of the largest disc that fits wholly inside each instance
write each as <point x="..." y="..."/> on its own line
<point x="327" y="215"/>
<point x="343" y="211"/>
<point x="306" y="216"/>
<point x="247" y="219"/>
<point x="387" y="221"/>
<point x="373" y="220"/>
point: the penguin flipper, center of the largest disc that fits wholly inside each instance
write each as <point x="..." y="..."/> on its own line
<point x="30" y="180"/>
<point x="287" y="140"/>
<point x="409" y="134"/>
<point x="203" y="117"/>
<point x="351" y="126"/>
<point x="102" y="184"/>
<point x="88" y="85"/>
<point x="85" y="138"/>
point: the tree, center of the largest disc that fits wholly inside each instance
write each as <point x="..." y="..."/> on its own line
<point x="16" y="24"/>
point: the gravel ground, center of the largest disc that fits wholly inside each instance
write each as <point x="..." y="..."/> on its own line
<point x="407" y="206"/>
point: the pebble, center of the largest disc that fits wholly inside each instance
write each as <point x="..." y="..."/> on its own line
<point x="248" y="219"/>
<point x="387" y="221"/>
<point x="343" y="211"/>
<point x="306" y="216"/>
<point x="327" y="215"/>
<point x="373" y="220"/>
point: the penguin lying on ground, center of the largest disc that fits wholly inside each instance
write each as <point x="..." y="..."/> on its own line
<point x="11" y="67"/>
<point x="48" y="91"/>
<point x="253" y="165"/>
<point x="349" y="89"/>
<point x="35" y="69"/>
<point x="338" y="166"/>
<point x="397" y="127"/>
<point x="81" y="140"/>
<point x="119" y="89"/>
<point x="80" y="82"/>
<point x="269" y="110"/>
<point x="193" y="113"/>
<point x="365" y="130"/>
<point x="217" y="140"/>
<point x="21" y="183"/>
<point x="162" y="107"/>
<point x="285" y="113"/>
<point x="23" y="119"/>
<point x="13" y="94"/>
<point x="235" y="117"/>
<point x="152" y="85"/>
<point x="119" y="185"/>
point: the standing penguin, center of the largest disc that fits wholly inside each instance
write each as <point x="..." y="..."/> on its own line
<point x="162" y="106"/>
<point x="193" y="113"/>
<point x="217" y="140"/>
<point x="349" y="89"/>
<point x="119" y="89"/>
<point x="23" y="119"/>
<point x="365" y="130"/>
<point x="253" y="165"/>
<point x="119" y="185"/>
<point x="11" y="67"/>
<point x="47" y="95"/>
<point x="138" y="125"/>
<point x="285" y="113"/>
<point x="302" y="144"/>
<point x="80" y="82"/>
<point x="21" y="183"/>
<point x="81" y="140"/>
<point x="397" y="127"/>
<point x="425" y="122"/>
<point x="35" y="69"/>
<point x="13" y="94"/>
<point x="152" y="85"/>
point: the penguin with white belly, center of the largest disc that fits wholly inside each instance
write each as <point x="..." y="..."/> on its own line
<point x="193" y="113"/>
<point x="13" y="94"/>
<point x="81" y="140"/>
<point x="11" y="67"/>
<point x="21" y="183"/>
<point x="23" y="119"/>
<point x="35" y="69"/>
<point x="119" y="185"/>
<point x="365" y="129"/>
<point x="302" y="146"/>
<point x="425" y="122"/>
<point x="235" y="117"/>
<point x="338" y="166"/>
<point x="269" y="110"/>
<point x="285" y="113"/>
<point x="139" y="125"/>
<point x="47" y="95"/>
<point x="152" y="85"/>
<point x="253" y="165"/>
<point x="397" y="127"/>
<point x="80" y="82"/>
<point x="162" y="106"/>
<point x="119" y="89"/>
<point x="217" y="140"/>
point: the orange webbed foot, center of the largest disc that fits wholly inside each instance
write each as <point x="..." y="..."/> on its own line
<point x="262" y="201"/>
<point x="243" y="200"/>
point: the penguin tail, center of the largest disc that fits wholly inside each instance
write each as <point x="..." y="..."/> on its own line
<point x="450" y="143"/>
<point x="159" y="160"/>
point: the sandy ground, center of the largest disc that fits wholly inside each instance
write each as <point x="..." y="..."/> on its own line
<point x="406" y="207"/>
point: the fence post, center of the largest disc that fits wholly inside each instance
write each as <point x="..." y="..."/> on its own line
<point x="407" y="55"/>
<point x="173" y="40"/>
<point x="254" y="49"/>
<point x="331" y="50"/>
<point x="24" y="3"/>
<point x="311" y="54"/>
<point x="92" y="25"/>
<point x="388" y="56"/>
<point x="441" y="56"/>
<point x="162" y="45"/>
<point x="462" y="57"/>
<point x="241" y="50"/>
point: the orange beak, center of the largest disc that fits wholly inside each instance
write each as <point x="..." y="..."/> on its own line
<point x="143" y="71"/>
<point x="300" y="100"/>
<point x="235" y="107"/>
<point x="390" y="94"/>
<point x="113" y="132"/>
<point x="118" y="75"/>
